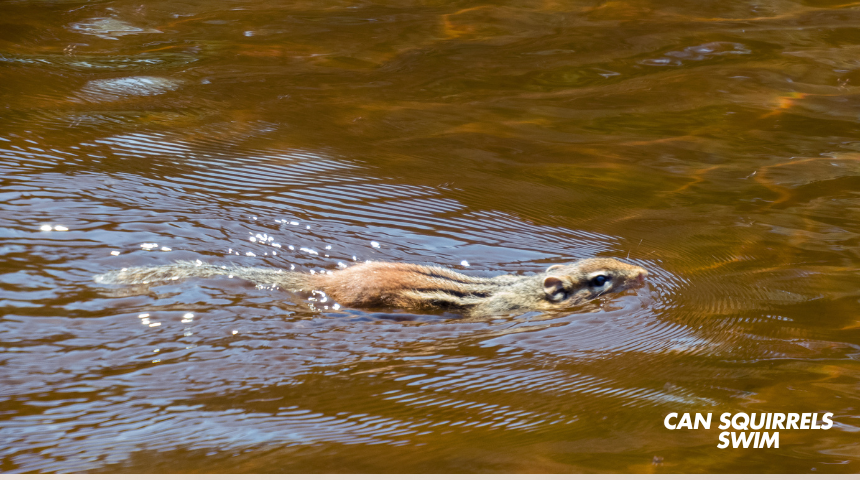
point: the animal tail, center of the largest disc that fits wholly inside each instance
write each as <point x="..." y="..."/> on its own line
<point x="183" y="270"/>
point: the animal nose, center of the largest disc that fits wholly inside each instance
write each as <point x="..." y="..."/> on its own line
<point x="642" y="276"/>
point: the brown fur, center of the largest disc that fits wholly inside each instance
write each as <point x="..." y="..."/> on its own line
<point x="415" y="287"/>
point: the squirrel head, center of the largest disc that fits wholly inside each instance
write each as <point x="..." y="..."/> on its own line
<point x="575" y="282"/>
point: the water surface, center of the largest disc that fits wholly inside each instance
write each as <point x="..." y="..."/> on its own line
<point x="715" y="144"/>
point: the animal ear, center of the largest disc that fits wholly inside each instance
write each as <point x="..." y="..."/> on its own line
<point x="553" y="267"/>
<point x="554" y="288"/>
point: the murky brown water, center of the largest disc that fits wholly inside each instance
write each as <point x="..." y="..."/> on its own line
<point x="715" y="143"/>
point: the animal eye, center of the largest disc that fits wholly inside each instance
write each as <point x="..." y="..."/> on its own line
<point x="598" y="281"/>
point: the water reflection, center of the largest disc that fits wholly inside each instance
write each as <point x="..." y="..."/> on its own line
<point x="118" y="88"/>
<point x="108" y="28"/>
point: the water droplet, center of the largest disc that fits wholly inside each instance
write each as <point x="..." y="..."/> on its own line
<point x="46" y="228"/>
<point x="114" y="252"/>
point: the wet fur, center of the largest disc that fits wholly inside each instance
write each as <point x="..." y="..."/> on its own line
<point x="416" y="287"/>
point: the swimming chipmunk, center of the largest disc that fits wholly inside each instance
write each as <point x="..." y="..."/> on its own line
<point x="411" y="286"/>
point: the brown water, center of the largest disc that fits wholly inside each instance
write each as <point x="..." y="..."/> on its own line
<point x="715" y="143"/>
